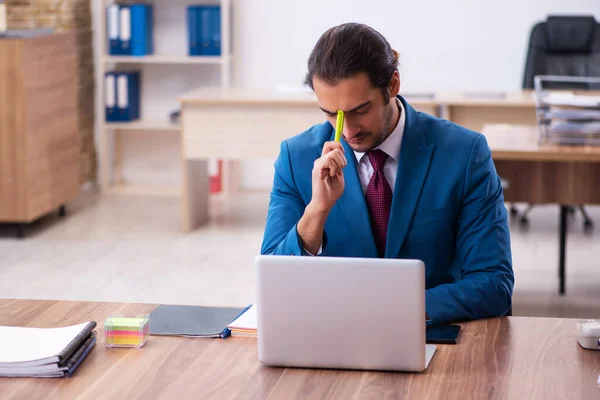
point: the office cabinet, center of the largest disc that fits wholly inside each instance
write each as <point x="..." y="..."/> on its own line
<point x="39" y="138"/>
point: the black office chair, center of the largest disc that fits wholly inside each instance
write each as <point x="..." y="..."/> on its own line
<point x="564" y="46"/>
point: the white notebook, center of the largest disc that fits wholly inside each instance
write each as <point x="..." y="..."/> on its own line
<point x="29" y="347"/>
<point x="246" y="321"/>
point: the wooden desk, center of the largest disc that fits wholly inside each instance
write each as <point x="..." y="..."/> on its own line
<point x="240" y="125"/>
<point x="474" y="110"/>
<point x="247" y="124"/>
<point x="501" y="358"/>
<point x="537" y="174"/>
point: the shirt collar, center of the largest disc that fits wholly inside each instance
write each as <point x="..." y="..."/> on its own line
<point x="391" y="145"/>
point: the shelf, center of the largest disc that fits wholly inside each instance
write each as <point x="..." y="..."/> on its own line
<point x="158" y="59"/>
<point x="165" y="57"/>
<point x="144" y="125"/>
<point x="125" y="189"/>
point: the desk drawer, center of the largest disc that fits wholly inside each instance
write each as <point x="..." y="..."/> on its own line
<point x="243" y="131"/>
<point x="550" y="182"/>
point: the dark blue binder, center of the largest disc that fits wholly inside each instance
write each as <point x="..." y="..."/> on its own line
<point x="110" y="97"/>
<point x="125" y="30"/>
<point x="141" y="30"/>
<point x="193" y="19"/>
<point x="150" y="30"/>
<point x="215" y="27"/>
<point x="112" y="29"/>
<point x="128" y="96"/>
<point x="205" y="30"/>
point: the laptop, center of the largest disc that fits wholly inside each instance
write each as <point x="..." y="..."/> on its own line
<point x="342" y="313"/>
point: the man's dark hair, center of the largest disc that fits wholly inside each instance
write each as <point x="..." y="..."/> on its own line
<point x="348" y="49"/>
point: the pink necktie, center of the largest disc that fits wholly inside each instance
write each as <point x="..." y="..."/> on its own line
<point x="379" y="200"/>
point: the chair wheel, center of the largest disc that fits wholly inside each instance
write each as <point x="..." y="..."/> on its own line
<point x="524" y="222"/>
<point x="514" y="212"/>
<point x="588" y="226"/>
<point x="20" y="231"/>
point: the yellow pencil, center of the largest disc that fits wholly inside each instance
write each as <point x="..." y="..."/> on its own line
<point x="339" y="125"/>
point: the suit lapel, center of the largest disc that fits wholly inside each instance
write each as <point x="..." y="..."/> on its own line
<point x="413" y="165"/>
<point x="353" y="204"/>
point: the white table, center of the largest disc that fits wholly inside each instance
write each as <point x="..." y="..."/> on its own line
<point x="239" y="124"/>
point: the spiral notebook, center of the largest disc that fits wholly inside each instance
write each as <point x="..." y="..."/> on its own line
<point x="54" y="370"/>
<point x="24" y="347"/>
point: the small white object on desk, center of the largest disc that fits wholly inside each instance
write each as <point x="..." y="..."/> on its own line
<point x="589" y="334"/>
<point x="2" y="16"/>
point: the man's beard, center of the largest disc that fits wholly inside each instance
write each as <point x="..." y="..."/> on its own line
<point x="387" y="127"/>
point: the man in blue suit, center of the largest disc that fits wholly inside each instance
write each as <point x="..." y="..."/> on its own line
<point x="401" y="184"/>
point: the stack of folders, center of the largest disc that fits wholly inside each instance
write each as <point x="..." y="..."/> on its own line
<point x="245" y="325"/>
<point x="193" y="321"/>
<point x="130" y="29"/>
<point x="204" y="30"/>
<point x="45" y="352"/>
<point x="570" y="118"/>
<point x="122" y="96"/>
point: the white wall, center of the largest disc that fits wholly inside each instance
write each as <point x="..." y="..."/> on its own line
<point x="479" y="45"/>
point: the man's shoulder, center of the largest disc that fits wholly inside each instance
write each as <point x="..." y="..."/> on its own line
<point x="450" y="136"/>
<point x="311" y="138"/>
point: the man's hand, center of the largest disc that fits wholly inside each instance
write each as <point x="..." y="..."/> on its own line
<point x="327" y="188"/>
<point x="328" y="177"/>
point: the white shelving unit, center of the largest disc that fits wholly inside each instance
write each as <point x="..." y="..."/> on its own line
<point x="144" y="125"/>
<point x="158" y="59"/>
<point x="110" y="160"/>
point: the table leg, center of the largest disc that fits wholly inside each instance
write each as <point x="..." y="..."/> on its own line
<point x="195" y="194"/>
<point x="232" y="176"/>
<point x="562" y="248"/>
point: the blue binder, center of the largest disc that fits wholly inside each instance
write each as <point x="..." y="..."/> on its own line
<point x="110" y="97"/>
<point x="141" y="30"/>
<point x="215" y="27"/>
<point x="205" y="30"/>
<point x="125" y="30"/>
<point x="193" y="19"/>
<point x="128" y="96"/>
<point x="112" y="29"/>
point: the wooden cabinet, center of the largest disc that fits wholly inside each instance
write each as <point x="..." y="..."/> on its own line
<point x="39" y="138"/>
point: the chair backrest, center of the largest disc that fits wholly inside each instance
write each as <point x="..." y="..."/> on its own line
<point x="564" y="46"/>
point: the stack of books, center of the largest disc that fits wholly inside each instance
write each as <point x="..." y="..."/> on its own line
<point x="245" y="325"/>
<point x="45" y="352"/>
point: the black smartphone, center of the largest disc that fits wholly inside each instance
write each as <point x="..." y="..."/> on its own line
<point x="442" y="334"/>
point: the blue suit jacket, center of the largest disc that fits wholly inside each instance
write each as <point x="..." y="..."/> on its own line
<point x="447" y="210"/>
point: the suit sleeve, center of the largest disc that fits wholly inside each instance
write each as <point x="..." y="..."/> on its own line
<point x="286" y="207"/>
<point x="482" y="248"/>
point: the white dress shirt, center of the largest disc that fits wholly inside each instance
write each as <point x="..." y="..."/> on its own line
<point x="390" y="146"/>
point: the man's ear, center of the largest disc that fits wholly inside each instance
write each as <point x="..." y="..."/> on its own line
<point x="394" y="85"/>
